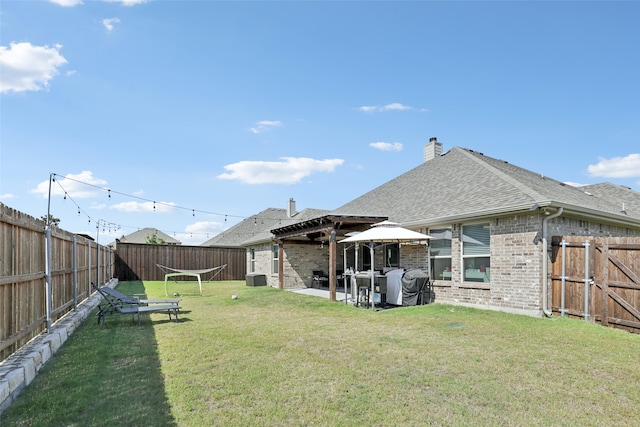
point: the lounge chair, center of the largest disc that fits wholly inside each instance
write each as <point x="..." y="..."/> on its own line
<point x="128" y="299"/>
<point x="128" y="305"/>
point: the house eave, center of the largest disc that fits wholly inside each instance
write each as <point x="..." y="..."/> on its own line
<point x="592" y="214"/>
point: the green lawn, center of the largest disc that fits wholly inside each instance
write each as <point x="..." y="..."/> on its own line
<point x="278" y="358"/>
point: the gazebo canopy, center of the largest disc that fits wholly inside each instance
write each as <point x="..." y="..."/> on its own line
<point x="386" y="232"/>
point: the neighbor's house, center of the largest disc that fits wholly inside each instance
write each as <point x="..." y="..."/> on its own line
<point x="254" y="234"/>
<point x="143" y="236"/>
<point x="491" y="224"/>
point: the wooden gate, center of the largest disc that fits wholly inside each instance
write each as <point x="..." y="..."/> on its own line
<point x="597" y="279"/>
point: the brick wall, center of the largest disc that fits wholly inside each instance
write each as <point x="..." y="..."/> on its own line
<point x="516" y="262"/>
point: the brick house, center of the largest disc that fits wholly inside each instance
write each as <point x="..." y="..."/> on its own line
<point x="491" y="223"/>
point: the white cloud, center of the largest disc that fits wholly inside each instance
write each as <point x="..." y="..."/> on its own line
<point x="67" y="3"/>
<point x="26" y="67"/>
<point x="386" y="146"/>
<point x="265" y="125"/>
<point x="199" y="232"/>
<point x="394" y="106"/>
<point x="77" y="186"/>
<point x="211" y="227"/>
<point x="617" y="167"/>
<point x="288" y="171"/>
<point x="144" y="207"/>
<point x="109" y="23"/>
<point x="6" y="196"/>
<point x="127" y="2"/>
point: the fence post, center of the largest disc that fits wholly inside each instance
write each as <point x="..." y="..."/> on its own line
<point x="604" y="288"/>
<point x="75" y="272"/>
<point x="586" y="280"/>
<point x="564" y="277"/>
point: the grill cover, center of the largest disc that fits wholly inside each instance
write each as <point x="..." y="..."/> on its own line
<point x="413" y="287"/>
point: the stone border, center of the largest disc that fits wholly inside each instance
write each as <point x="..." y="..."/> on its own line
<point x="19" y="369"/>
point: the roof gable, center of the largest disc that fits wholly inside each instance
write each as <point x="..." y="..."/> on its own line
<point x="141" y="236"/>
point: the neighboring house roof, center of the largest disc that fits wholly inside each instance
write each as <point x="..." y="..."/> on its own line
<point x="140" y="236"/>
<point x="257" y="228"/>
<point x="463" y="184"/>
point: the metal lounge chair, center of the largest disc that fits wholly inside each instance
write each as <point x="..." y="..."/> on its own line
<point x="129" y="305"/>
<point x="128" y="299"/>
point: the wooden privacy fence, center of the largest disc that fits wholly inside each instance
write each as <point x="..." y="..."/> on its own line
<point x="75" y="262"/>
<point x="135" y="261"/>
<point x="597" y="279"/>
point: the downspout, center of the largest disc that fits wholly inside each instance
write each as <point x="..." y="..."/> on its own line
<point x="545" y="263"/>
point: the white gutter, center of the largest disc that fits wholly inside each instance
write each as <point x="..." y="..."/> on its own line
<point x="545" y="263"/>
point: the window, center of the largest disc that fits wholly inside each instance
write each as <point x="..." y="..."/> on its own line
<point x="392" y="255"/>
<point x="276" y="261"/>
<point x="440" y="254"/>
<point x="476" y="252"/>
<point x="252" y="260"/>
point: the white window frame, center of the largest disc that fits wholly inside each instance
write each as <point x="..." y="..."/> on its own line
<point x="252" y="260"/>
<point x="481" y="271"/>
<point x="444" y="275"/>
<point x="275" y="259"/>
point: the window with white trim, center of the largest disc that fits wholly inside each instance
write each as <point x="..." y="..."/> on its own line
<point x="252" y="260"/>
<point x="275" y="258"/>
<point x="440" y="253"/>
<point x="476" y="251"/>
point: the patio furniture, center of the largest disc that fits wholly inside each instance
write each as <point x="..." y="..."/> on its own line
<point x="319" y="278"/>
<point x="113" y="304"/>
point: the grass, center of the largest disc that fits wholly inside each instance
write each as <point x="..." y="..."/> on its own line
<point x="279" y="358"/>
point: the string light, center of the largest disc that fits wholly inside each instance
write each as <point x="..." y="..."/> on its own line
<point x="112" y="227"/>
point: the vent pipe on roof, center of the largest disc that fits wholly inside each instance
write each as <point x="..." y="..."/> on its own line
<point x="433" y="149"/>
<point x="291" y="208"/>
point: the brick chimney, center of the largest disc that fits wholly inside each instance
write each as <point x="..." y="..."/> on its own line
<point x="291" y="208"/>
<point x="433" y="149"/>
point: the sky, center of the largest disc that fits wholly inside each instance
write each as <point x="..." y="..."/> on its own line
<point x="190" y="116"/>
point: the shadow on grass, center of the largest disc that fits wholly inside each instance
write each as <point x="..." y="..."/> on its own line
<point x="109" y="376"/>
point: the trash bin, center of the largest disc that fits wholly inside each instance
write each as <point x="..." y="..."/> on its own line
<point x="256" y="279"/>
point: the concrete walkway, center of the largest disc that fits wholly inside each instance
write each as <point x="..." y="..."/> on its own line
<point x="322" y="292"/>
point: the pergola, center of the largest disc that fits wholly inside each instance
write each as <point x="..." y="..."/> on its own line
<point x="327" y="227"/>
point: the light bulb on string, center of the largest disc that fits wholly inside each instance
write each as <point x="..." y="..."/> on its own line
<point x="109" y="192"/>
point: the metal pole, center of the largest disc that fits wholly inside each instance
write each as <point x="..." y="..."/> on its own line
<point x="75" y="272"/>
<point x="47" y="259"/>
<point x="355" y="290"/>
<point x="47" y="277"/>
<point x="373" y="272"/>
<point x="586" y="280"/>
<point x="563" y="278"/>
<point x="89" y="264"/>
<point x="344" y="274"/>
<point x="98" y="253"/>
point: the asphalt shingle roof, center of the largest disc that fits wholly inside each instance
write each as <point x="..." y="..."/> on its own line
<point x="140" y="236"/>
<point x="464" y="183"/>
<point x="257" y="228"/>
